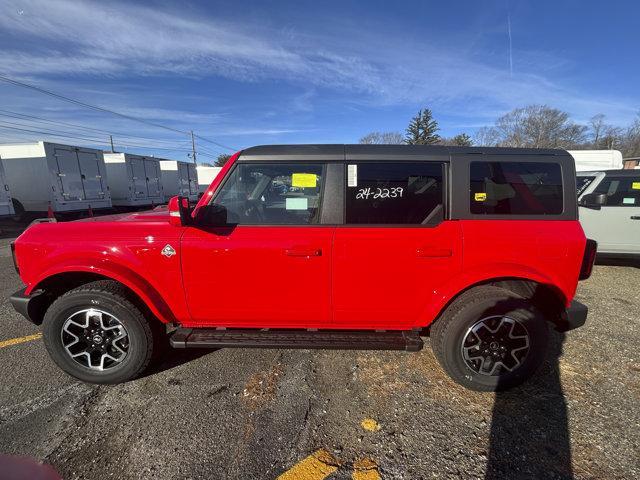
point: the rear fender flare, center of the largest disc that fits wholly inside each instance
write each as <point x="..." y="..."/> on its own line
<point x="442" y="297"/>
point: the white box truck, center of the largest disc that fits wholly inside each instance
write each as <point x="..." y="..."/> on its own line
<point x="66" y="178"/>
<point x="179" y="178"/>
<point x="206" y="175"/>
<point x="596" y="160"/>
<point x="6" y="204"/>
<point x="134" y="180"/>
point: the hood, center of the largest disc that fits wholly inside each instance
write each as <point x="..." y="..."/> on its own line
<point x="157" y="215"/>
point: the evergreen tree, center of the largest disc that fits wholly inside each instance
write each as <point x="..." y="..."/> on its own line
<point x="222" y="159"/>
<point x="422" y="129"/>
<point x="462" y="140"/>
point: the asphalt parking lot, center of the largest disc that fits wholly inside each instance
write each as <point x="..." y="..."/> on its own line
<point x="259" y="414"/>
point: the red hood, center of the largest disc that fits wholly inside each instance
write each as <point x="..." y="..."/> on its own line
<point x="158" y="214"/>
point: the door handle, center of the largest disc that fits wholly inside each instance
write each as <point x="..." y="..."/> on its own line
<point x="433" y="252"/>
<point x="635" y="217"/>
<point x="303" y="252"/>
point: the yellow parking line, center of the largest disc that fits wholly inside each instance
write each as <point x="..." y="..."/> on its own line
<point x="317" y="466"/>
<point x="16" y="341"/>
<point x="365" y="469"/>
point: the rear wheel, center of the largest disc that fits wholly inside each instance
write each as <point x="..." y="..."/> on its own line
<point x="97" y="334"/>
<point x="490" y="339"/>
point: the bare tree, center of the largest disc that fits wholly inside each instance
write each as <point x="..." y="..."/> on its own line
<point x="535" y="126"/>
<point x="387" y="138"/>
<point x="597" y="127"/>
<point x="630" y="143"/>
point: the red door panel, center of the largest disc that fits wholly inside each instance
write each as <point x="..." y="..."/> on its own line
<point x="383" y="277"/>
<point x="265" y="277"/>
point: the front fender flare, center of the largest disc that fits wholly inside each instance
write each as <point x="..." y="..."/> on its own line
<point x="129" y="278"/>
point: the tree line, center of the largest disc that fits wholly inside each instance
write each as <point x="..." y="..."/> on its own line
<point x="533" y="126"/>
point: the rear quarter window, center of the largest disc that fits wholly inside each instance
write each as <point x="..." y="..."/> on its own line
<point x="516" y="188"/>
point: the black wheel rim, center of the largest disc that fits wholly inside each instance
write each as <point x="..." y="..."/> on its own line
<point x="495" y="345"/>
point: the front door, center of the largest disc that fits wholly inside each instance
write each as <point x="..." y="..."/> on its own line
<point x="616" y="225"/>
<point x="395" y="249"/>
<point x="270" y="266"/>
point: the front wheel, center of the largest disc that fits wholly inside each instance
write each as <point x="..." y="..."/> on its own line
<point x="489" y="339"/>
<point x="96" y="334"/>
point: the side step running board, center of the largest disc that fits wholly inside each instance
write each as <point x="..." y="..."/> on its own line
<point x="408" y="340"/>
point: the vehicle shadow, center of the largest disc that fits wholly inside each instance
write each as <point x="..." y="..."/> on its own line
<point x="529" y="428"/>
<point x="172" y="358"/>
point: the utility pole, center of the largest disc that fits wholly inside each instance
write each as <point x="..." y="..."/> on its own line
<point x="193" y="148"/>
<point x="111" y="141"/>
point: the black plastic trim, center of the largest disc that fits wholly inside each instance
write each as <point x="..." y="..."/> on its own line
<point x="29" y="306"/>
<point x="408" y="340"/>
<point x="573" y="317"/>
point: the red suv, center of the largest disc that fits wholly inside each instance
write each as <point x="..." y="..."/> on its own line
<point x="324" y="246"/>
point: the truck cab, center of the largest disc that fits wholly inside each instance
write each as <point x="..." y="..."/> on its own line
<point x="325" y="246"/>
<point x="609" y="203"/>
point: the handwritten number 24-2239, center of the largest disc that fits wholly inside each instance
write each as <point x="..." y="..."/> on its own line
<point x="368" y="192"/>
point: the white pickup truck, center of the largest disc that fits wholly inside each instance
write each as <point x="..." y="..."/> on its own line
<point x="609" y="203"/>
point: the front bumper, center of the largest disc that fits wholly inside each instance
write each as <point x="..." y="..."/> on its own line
<point x="573" y="317"/>
<point x="31" y="307"/>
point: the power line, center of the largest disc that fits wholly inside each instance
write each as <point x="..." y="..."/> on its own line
<point x="104" y="110"/>
<point x="97" y="141"/>
<point x="24" y="116"/>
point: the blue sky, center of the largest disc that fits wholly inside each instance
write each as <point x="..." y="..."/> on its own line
<point x="246" y="73"/>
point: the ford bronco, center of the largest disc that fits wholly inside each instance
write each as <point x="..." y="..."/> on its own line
<point x="324" y="246"/>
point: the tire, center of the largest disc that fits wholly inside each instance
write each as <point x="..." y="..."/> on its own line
<point x="494" y="361"/>
<point x="103" y="302"/>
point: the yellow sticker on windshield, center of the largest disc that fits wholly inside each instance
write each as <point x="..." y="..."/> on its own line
<point x="304" y="180"/>
<point x="480" y="197"/>
<point x="635" y="185"/>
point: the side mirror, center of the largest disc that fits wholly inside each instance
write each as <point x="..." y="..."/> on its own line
<point x="212" y="215"/>
<point x="593" y="200"/>
<point x="179" y="211"/>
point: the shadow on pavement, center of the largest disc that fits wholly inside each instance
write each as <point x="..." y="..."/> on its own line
<point x="529" y="429"/>
<point x="173" y="358"/>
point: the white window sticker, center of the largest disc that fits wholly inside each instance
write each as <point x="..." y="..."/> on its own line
<point x="352" y="175"/>
<point x="629" y="201"/>
<point x="296" y="203"/>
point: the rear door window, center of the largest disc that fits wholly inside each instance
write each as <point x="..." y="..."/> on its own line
<point x="516" y="188"/>
<point x="400" y="193"/>
<point x="621" y="191"/>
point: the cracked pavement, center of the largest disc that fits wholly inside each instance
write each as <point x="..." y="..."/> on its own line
<point x="240" y="413"/>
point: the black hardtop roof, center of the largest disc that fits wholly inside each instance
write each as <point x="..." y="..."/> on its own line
<point x="384" y="152"/>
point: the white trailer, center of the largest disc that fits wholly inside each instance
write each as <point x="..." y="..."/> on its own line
<point x="6" y="204"/>
<point x="66" y="178"/>
<point x="134" y="180"/>
<point x="596" y="160"/>
<point x="179" y="178"/>
<point x="205" y="176"/>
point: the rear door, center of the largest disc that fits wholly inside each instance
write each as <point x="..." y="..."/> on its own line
<point x="139" y="177"/>
<point x="6" y="204"/>
<point x="395" y="248"/>
<point x="616" y="225"/>
<point x="152" y="172"/>
<point x="193" y="179"/>
<point x="183" y="179"/>
<point x="68" y="174"/>
<point x="90" y="173"/>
